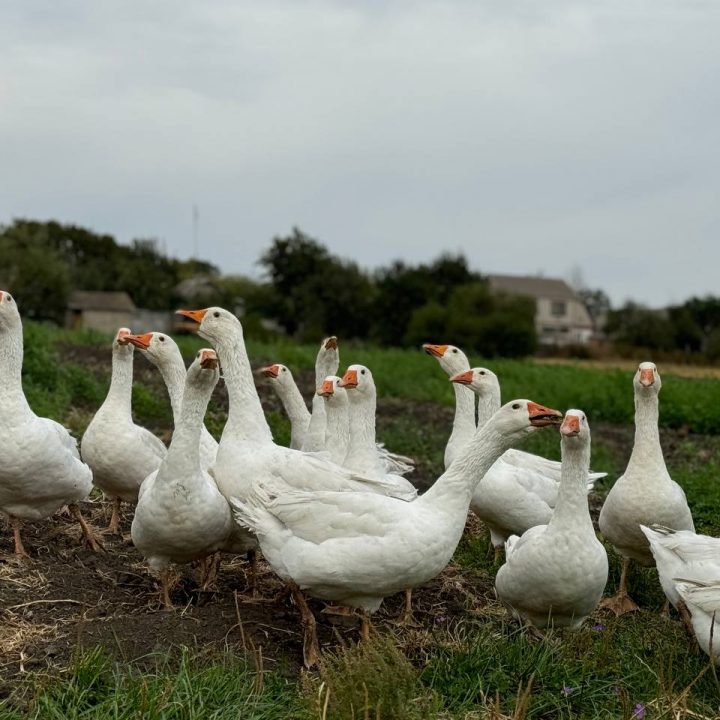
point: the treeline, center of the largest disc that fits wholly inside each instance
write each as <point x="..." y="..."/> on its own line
<point x="308" y="291"/>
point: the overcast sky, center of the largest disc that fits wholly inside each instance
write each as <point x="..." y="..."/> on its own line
<point x="532" y="136"/>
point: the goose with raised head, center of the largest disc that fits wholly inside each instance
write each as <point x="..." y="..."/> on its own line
<point x="645" y="494"/>
<point x="163" y="352"/>
<point x="40" y="466"/>
<point x="356" y="548"/>
<point x="281" y="380"/>
<point x="327" y="362"/>
<point x="120" y="453"/>
<point x="509" y="499"/>
<point x="181" y="516"/>
<point x="702" y="599"/>
<point x="682" y="554"/>
<point x="555" y="574"/>
<point x="362" y="455"/>
<point x="337" y="433"/>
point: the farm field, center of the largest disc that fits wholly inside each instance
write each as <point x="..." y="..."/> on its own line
<point x="82" y="636"/>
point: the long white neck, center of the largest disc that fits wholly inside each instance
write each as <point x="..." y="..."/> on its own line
<point x="326" y="363"/>
<point x="184" y="451"/>
<point x="119" y="397"/>
<point x="337" y="433"/>
<point x="452" y="491"/>
<point x="646" y="453"/>
<point x="13" y="403"/>
<point x="571" y="510"/>
<point x="488" y="402"/>
<point x="246" y="420"/>
<point x="295" y="407"/>
<point x="464" y="421"/>
<point x="362" y="453"/>
<point x="315" y="435"/>
<point x="173" y="373"/>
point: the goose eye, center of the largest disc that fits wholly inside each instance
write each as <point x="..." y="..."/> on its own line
<point x="161" y="339"/>
<point x="455" y="350"/>
<point x="284" y="370"/>
<point x="362" y="372"/>
<point x="9" y="298"/>
<point x="516" y="406"/>
<point x="216" y="314"/>
<point x="482" y="372"/>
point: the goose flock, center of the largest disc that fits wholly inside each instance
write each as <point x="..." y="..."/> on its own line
<point x="334" y="514"/>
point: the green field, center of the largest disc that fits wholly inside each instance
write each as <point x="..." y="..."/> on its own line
<point x="468" y="659"/>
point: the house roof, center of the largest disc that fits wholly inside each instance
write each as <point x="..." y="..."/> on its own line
<point x="91" y="300"/>
<point x="533" y="286"/>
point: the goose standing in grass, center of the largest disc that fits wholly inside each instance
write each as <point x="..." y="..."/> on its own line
<point x="162" y="351"/>
<point x="555" y="574"/>
<point x="281" y="380"/>
<point x="510" y="499"/>
<point x="702" y="599"/>
<point x="247" y="454"/>
<point x="40" y="467"/>
<point x="683" y="554"/>
<point x="356" y="548"/>
<point x="120" y="453"/>
<point x="645" y="494"/>
<point x="181" y="516"/>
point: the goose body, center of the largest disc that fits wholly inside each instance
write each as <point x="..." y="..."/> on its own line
<point x="120" y="453"/>
<point x="645" y="494"/>
<point x="703" y="602"/>
<point x="181" y="516"/>
<point x="355" y="548"/>
<point x="555" y="574"/>
<point x="682" y="554"/>
<point x="162" y="351"/>
<point x="40" y="466"/>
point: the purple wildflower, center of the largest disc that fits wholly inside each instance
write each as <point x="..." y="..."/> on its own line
<point x="440" y="618"/>
<point x="567" y="690"/>
<point x="598" y="627"/>
<point x="639" y="711"/>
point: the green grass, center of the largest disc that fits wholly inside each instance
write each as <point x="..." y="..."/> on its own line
<point x="471" y="667"/>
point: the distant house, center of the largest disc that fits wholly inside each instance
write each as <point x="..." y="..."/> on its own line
<point x="103" y="311"/>
<point x="560" y="318"/>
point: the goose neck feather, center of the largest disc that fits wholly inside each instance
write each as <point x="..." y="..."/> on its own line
<point x="173" y="373"/>
<point x="646" y="453"/>
<point x="362" y="453"/>
<point x="571" y="509"/>
<point x="488" y="403"/>
<point x="119" y="397"/>
<point x="12" y="398"/>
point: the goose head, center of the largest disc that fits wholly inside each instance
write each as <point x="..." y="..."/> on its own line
<point x="157" y="347"/>
<point x="334" y="393"/>
<point x="479" y="379"/>
<point x="520" y="417"/>
<point x="452" y="359"/>
<point x="575" y="427"/>
<point x="328" y="357"/>
<point x="121" y="343"/>
<point x="647" y="379"/>
<point x="277" y="375"/>
<point x="9" y="313"/>
<point x="215" y="323"/>
<point x="358" y="381"/>
<point x="204" y="370"/>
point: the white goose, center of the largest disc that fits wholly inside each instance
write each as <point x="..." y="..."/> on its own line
<point x="555" y="574"/>
<point x="337" y="433"/>
<point x="703" y="602"/>
<point x="509" y="499"/>
<point x="281" y="380"/>
<point x="682" y="554"/>
<point x="162" y="351"/>
<point x="355" y="548"/>
<point x="645" y="494"/>
<point x="181" y="516"/>
<point x="120" y="453"/>
<point x="40" y="467"/>
<point x="327" y="362"/>
<point x="362" y="455"/>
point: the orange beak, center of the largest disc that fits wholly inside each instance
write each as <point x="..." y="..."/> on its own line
<point x="208" y="359"/>
<point x="331" y="343"/>
<point x="326" y="389"/>
<point x="349" y="380"/>
<point x="570" y="426"/>
<point x="436" y="350"/>
<point x="463" y="378"/>
<point x="271" y="371"/>
<point x="647" y="377"/>
<point x="122" y="336"/>
<point x="140" y="341"/>
<point x="541" y="416"/>
<point x="196" y="315"/>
